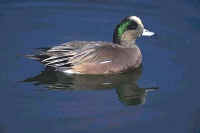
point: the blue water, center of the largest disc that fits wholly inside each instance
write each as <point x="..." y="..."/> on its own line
<point x="163" y="97"/>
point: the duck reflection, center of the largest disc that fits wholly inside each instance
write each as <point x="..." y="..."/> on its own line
<point x="125" y="84"/>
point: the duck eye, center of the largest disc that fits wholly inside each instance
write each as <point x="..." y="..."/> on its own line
<point x="132" y="26"/>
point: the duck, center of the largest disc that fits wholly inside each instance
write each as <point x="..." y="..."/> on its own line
<point x="98" y="57"/>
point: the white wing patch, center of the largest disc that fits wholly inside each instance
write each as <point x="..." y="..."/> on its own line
<point x="69" y="71"/>
<point x="107" y="61"/>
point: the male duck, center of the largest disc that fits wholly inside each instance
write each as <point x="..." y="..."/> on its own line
<point x="82" y="57"/>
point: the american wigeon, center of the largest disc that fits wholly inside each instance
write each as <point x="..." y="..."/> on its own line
<point x="89" y="57"/>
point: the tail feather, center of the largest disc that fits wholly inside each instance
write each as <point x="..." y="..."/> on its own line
<point x="50" y="59"/>
<point x="39" y="55"/>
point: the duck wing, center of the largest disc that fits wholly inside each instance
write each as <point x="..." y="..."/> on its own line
<point x="72" y="53"/>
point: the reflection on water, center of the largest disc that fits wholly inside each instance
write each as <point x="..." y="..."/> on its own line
<point x="125" y="84"/>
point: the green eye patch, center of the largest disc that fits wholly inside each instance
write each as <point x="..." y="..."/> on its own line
<point x="122" y="28"/>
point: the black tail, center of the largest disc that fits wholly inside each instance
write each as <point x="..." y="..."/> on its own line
<point x="39" y="54"/>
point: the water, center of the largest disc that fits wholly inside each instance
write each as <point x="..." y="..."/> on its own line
<point x="161" y="97"/>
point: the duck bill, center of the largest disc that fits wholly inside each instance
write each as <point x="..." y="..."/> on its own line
<point x="147" y="33"/>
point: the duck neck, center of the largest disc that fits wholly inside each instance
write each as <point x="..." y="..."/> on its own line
<point x="127" y="39"/>
<point x="127" y="44"/>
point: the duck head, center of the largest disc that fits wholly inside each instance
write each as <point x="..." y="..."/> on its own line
<point x="128" y="30"/>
